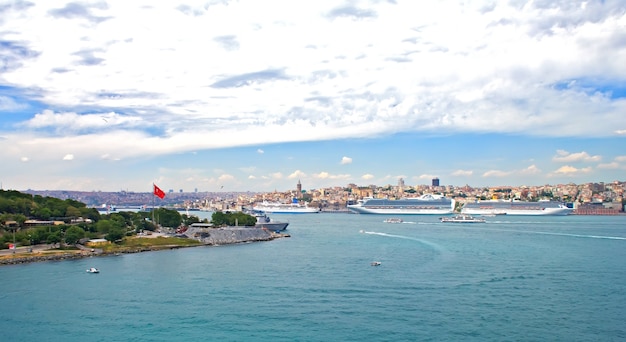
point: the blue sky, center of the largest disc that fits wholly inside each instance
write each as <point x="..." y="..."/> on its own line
<point x="256" y="95"/>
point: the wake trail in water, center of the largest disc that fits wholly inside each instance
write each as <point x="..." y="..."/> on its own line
<point x="427" y="243"/>
<point x="560" y="234"/>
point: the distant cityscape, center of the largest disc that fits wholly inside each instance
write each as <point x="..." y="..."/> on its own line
<point x="589" y="198"/>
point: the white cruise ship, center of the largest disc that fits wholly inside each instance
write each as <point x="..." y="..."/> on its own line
<point x="424" y="205"/>
<point x="499" y="207"/>
<point x="285" y="208"/>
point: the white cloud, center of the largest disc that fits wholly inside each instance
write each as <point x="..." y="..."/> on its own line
<point x="367" y="176"/>
<point x="531" y="170"/>
<point x="496" y="173"/>
<point x="68" y="157"/>
<point x="609" y="166"/>
<point x="620" y="159"/>
<point x="75" y="122"/>
<point x="462" y="173"/>
<point x="24" y="159"/>
<point x="567" y="157"/>
<point x="226" y="178"/>
<point x="9" y="104"/>
<point x="296" y="174"/>
<point x="302" y="74"/>
<point x="570" y="170"/>
<point x="326" y="175"/>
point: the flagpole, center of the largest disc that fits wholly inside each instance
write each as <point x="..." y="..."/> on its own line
<point x="153" y="204"/>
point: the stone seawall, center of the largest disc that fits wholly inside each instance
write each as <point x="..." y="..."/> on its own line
<point x="229" y="235"/>
<point x="28" y="259"/>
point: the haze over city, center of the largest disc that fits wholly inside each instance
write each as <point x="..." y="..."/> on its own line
<point x="258" y="95"/>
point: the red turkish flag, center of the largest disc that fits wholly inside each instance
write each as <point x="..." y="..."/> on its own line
<point x="158" y="192"/>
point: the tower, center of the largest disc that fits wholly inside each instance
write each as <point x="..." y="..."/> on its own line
<point x="435" y="181"/>
<point x="299" y="187"/>
<point x="400" y="185"/>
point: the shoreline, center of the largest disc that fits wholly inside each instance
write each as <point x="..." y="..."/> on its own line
<point x="223" y="236"/>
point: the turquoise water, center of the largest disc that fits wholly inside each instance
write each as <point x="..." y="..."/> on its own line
<point x="510" y="279"/>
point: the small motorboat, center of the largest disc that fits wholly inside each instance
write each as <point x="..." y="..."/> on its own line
<point x="93" y="270"/>
<point x="375" y="263"/>
<point x="394" y="220"/>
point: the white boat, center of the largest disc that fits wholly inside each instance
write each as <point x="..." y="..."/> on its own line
<point x="429" y="204"/>
<point x="499" y="207"/>
<point x="462" y="219"/>
<point x="375" y="263"/>
<point x="285" y="208"/>
<point x="93" y="270"/>
<point x="264" y="221"/>
<point x="394" y="220"/>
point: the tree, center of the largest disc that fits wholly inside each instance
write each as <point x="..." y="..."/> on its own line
<point x="230" y="219"/>
<point x="73" y="234"/>
<point x="190" y="219"/>
<point x="54" y="237"/>
<point x="104" y="226"/>
<point x="115" y="234"/>
<point x="72" y="212"/>
<point x="167" y="217"/>
<point x="43" y="213"/>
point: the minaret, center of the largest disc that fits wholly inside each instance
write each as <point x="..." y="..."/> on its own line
<point x="299" y="188"/>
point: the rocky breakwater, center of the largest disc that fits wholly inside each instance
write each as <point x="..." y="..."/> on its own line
<point x="18" y="259"/>
<point x="230" y="235"/>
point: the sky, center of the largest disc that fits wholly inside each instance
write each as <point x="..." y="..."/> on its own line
<point x="257" y="95"/>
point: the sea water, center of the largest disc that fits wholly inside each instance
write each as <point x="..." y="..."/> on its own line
<point x="509" y="279"/>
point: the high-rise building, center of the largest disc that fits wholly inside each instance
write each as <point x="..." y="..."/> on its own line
<point x="435" y="181"/>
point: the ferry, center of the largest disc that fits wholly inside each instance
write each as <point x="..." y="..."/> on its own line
<point x="462" y="219"/>
<point x="285" y="208"/>
<point x="500" y="207"/>
<point x="428" y="204"/>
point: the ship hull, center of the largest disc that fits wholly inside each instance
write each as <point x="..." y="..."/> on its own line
<point x="516" y="208"/>
<point x="275" y="210"/>
<point x="273" y="226"/>
<point x="526" y="212"/>
<point x="423" y="205"/>
<point x="398" y="211"/>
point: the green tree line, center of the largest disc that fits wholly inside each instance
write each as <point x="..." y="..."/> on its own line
<point x="16" y="208"/>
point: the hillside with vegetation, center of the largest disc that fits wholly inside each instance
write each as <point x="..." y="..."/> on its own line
<point x="27" y="220"/>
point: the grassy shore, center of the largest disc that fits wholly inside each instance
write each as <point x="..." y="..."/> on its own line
<point x="128" y="245"/>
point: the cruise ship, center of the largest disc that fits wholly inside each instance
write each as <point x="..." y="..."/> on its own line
<point x="428" y="204"/>
<point x="285" y="208"/>
<point x="499" y="207"/>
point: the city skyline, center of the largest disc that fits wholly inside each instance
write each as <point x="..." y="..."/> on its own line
<point x="255" y="96"/>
